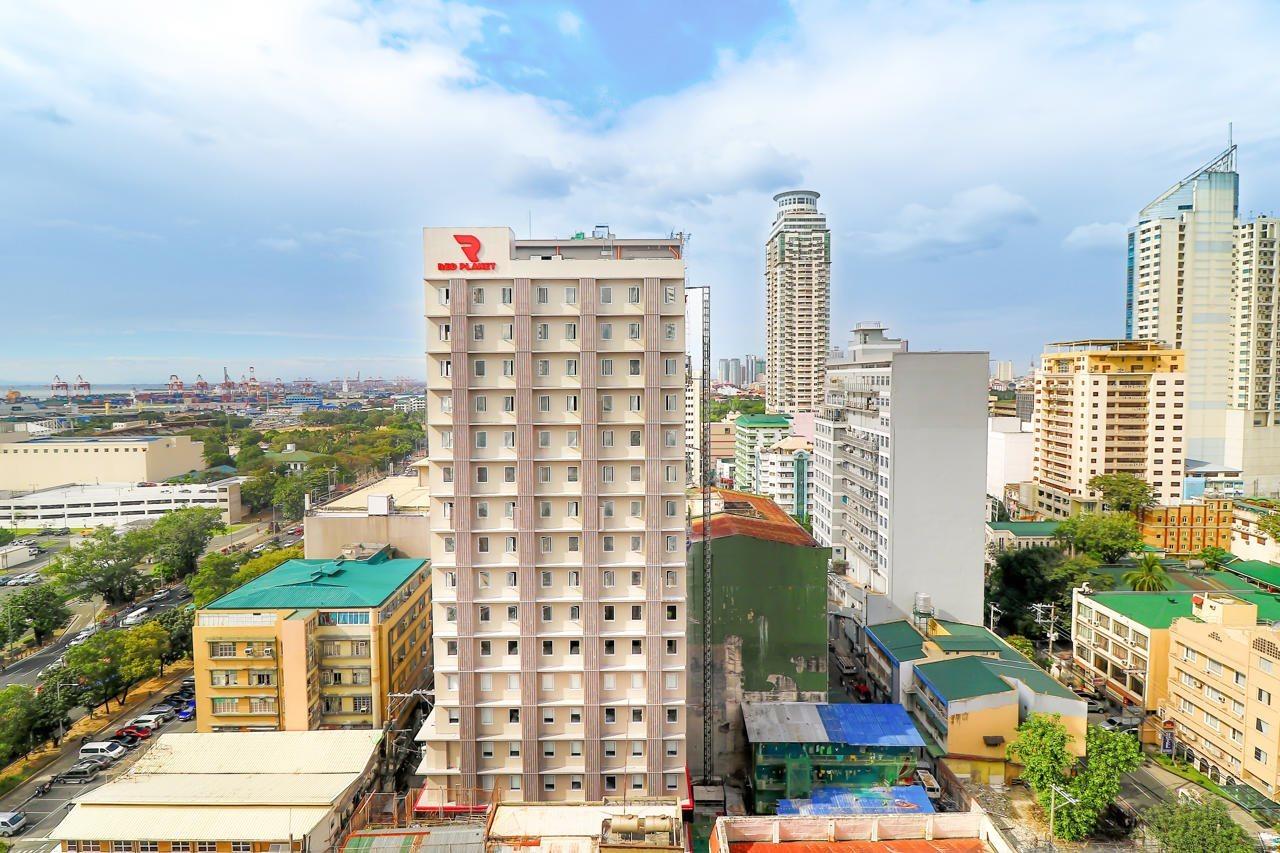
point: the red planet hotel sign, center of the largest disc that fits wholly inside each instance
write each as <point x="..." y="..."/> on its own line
<point x="470" y="246"/>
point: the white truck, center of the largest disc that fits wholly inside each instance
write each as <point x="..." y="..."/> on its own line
<point x="12" y="556"/>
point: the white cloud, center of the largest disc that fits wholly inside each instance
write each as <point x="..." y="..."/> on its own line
<point x="971" y="221"/>
<point x="569" y="24"/>
<point x="1097" y="235"/>
<point x="279" y="244"/>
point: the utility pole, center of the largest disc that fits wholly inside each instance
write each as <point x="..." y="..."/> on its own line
<point x="1048" y="622"/>
<point x="995" y="613"/>
<point x="1056" y="791"/>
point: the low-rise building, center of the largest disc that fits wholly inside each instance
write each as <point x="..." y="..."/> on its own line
<point x="769" y="635"/>
<point x="261" y="792"/>
<point x="753" y="434"/>
<point x="1010" y="453"/>
<point x="786" y="475"/>
<point x="799" y="746"/>
<point x="393" y="511"/>
<point x="291" y="458"/>
<point x="1224" y="689"/>
<point x="1248" y="540"/>
<point x="648" y="824"/>
<point x="117" y="504"/>
<point x="315" y="644"/>
<point x="947" y="832"/>
<point x="1188" y="528"/>
<point x="1017" y="535"/>
<point x="42" y="463"/>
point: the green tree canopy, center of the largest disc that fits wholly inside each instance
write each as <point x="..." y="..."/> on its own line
<point x="1183" y="827"/>
<point x="249" y="457"/>
<point x="1104" y="536"/>
<point x="145" y="648"/>
<point x="1148" y="575"/>
<point x="105" y="564"/>
<point x="1270" y="525"/>
<point x="256" y="492"/>
<point x="178" y="622"/>
<point x="40" y="609"/>
<point x="1042" y="747"/>
<point x="17" y="718"/>
<point x="213" y="579"/>
<point x="264" y="563"/>
<point x="179" y="538"/>
<point x="7" y="536"/>
<point x="99" y="664"/>
<point x="1022" y="644"/>
<point x="1038" y="575"/>
<point x="1123" y="492"/>
<point x="1213" y="557"/>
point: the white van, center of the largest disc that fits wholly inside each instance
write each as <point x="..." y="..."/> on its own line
<point x="930" y="784"/>
<point x="135" y="617"/>
<point x="103" y="749"/>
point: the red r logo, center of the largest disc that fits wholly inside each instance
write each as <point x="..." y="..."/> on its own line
<point x="470" y="246"/>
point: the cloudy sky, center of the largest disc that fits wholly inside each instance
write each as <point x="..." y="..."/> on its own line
<point x="192" y="185"/>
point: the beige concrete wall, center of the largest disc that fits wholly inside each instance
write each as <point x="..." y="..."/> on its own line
<point x="42" y="464"/>
<point x="327" y="533"/>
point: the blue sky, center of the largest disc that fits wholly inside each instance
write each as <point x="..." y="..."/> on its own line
<point x="192" y="185"/>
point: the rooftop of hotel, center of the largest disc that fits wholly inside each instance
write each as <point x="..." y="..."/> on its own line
<point x="746" y="514"/>
<point x="406" y="491"/>
<point x="323" y="583"/>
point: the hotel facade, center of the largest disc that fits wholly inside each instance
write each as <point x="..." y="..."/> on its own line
<point x="555" y="421"/>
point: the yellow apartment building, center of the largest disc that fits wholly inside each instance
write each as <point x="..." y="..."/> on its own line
<point x="315" y="644"/>
<point x="1106" y="407"/>
<point x="1188" y="528"/>
<point x="1224" y="689"/>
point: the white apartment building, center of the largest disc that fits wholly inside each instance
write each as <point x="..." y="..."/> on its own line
<point x="1179" y="282"/>
<point x="786" y="475"/>
<point x="1253" y="409"/>
<point x="1107" y="407"/>
<point x="797" y="275"/>
<point x="900" y="474"/>
<point x="555" y="419"/>
<point x="1010" y="454"/>
<point x="693" y="423"/>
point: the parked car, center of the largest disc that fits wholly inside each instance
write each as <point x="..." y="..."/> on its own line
<point x="187" y="713"/>
<point x="178" y="699"/>
<point x="108" y="749"/>
<point x="128" y="741"/>
<point x="11" y="823"/>
<point x="135" y="617"/>
<point x="99" y="761"/>
<point x="134" y="731"/>
<point x="158" y="595"/>
<point x="189" y="681"/>
<point x="153" y="721"/>
<point x="182" y="593"/>
<point x="164" y="711"/>
<point x="1093" y="706"/>
<point x="81" y="773"/>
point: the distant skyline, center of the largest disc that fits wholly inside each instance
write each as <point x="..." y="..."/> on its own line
<point x="195" y="185"/>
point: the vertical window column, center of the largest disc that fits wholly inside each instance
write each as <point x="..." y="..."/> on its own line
<point x="588" y="297"/>
<point x="526" y="538"/>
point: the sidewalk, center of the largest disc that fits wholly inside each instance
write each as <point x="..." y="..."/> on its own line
<point x="1171" y="782"/>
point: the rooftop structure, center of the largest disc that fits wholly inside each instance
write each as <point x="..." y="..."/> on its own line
<point x="611" y="826"/>
<point x="323" y="583"/>
<point x="953" y="832"/>
<point x="853" y="724"/>
<point x="393" y="510"/>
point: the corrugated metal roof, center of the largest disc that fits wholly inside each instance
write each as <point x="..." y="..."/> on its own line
<point x="949" y="845"/>
<point x="810" y="722"/>
<point x="468" y="838"/>
<point x="184" y="823"/>
<point x="332" y="751"/>
<point x="320" y="789"/>
<point x="322" y="583"/>
<point x="535" y="820"/>
<point x="766" y="520"/>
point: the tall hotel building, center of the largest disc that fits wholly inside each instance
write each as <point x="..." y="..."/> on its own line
<point x="1107" y="407"/>
<point x="556" y="407"/>
<point x="797" y="274"/>
<point x="1179" y="292"/>
<point x="1253" y="409"/>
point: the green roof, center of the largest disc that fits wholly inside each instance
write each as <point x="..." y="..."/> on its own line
<point x="1037" y="529"/>
<point x="1256" y="570"/>
<point x="290" y="456"/>
<point x="1180" y="578"/>
<point x="962" y="637"/>
<point x="323" y="583"/>
<point x="901" y="640"/>
<point x="1159" y="609"/>
<point x="762" y="421"/>
<point x="962" y="677"/>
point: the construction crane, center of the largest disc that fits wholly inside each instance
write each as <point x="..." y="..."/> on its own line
<point x="175" y="384"/>
<point x="81" y="386"/>
<point x="59" y="386"/>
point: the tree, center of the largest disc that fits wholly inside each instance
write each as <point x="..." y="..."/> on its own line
<point x="98" y="664"/>
<point x="7" y="536"/>
<point x="57" y="695"/>
<point x="1148" y="575"/>
<point x="105" y="564"/>
<point x="1270" y="525"/>
<point x="250" y="457"/>
<point x="145" y="648"/>
<point x="264" y="563"/>
<point x="17" y="713"/>
<point x="179" y="538"/>
<point x="1023" y="645"/>
<point x="1123" y="492"/>
<point x="1022" y="578"/>
<point x="1183" y="827"/>
<point x="1043" y="748"/>
<point x="1105" y="536"/>
<point x="256" y="492"/>
<point x="1213" y="557"/>
<point x="213" y="579"/>
<point x="178" y="624"/>
<point x="41" y="609"/>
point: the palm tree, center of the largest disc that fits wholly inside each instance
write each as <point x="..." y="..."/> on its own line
<point x="1148" y="576"/>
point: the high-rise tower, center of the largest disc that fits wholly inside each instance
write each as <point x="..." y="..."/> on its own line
<point x="555" y="420"/>
<point x="1179" y="291"/>
<point x="797" y="275"/>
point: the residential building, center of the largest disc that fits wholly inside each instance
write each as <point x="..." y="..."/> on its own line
<point x="799" y="746"/>
<point x="315" y="644"/>
<point x="43" y="463"/>
<point x="1025" y="404"/>
<point x="1002" y="371"/>
<point x="1010" y="453"/>
<point x="869" y="344"/>
<point x="723" y="441"/>
<point x="954" y="832"/>
<point x="117" y="504"/>
<point x="1248" y="540"/>
<point x="1107" y="407"/>
<point x="1188" y="528"/>
<point x="786" y="475"/>
<point x="797" y="273"/>
<point x="1178" y="292"/>
<point x="967" y="689"/>
<point x="1253" y="405"/>
<point x="644" y="825"/>
<point x="294" y="461"/>
<point x="752" y="369"/>
<point x="392" y="511"/>
<point x="556" y="374"/>
<point x="753" y="434"/>
<point x="1016" y="535"/>
<point x="409" y="403"/>
<point x="733" y="372"/>
<point x="1224" y="689"/>
<point x="899" y="441"/>
<point x="259" y="792"/>
<point x="777" y="573"/>
<point x="693" y="423"/>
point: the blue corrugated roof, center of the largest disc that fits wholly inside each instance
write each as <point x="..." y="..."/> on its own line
<point x="828" y="800"/>
<point x="869" y="725"/>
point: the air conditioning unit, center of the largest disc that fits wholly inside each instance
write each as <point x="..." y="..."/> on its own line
<point x="1188" y="736"/>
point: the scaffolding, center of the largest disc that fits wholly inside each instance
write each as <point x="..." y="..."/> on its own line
<point x="704" y="475"/>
